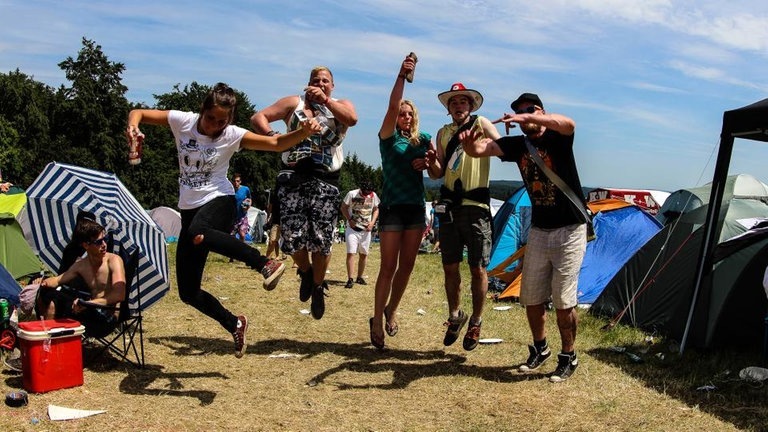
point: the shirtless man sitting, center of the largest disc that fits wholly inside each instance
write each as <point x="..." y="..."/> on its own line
<point x="104" y="275"/>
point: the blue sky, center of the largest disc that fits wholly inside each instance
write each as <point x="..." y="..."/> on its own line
<point x="647" y="81"/>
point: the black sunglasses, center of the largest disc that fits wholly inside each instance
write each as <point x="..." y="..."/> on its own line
<point x="527" y="110"/>
<point x="98" y="241"/>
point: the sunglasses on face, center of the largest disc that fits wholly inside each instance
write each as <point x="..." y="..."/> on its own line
<point x="527" y="110"/>
<point x="98" y="241"/>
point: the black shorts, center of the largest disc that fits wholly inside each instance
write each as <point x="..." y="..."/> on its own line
<point x="402" y="217"/>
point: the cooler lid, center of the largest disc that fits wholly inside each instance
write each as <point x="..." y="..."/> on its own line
<point x="35" y="330"/>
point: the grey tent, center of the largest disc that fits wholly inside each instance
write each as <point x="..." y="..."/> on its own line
<point x="749" y="122"/>
<point x="655" y="289"/>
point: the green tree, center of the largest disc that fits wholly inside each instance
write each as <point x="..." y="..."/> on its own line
<point x="91" y="112"/>
<point x="25" y="105"/>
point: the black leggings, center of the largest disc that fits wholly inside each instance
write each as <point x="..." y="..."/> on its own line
<point x="213" y="221"/>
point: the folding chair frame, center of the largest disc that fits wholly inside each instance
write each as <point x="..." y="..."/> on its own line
<point x="122" y="341"/>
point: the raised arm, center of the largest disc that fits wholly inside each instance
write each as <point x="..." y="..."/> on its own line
<point x="280" y="110"/>
<point x="343" y="110"/>
<point x="557" y="122"/>
<point x="393" y="108"/>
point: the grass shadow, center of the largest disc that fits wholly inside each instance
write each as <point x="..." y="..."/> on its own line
<point x="406" y="366"/>
<point x="143" y="382"/>
<point x="698" y="379"/>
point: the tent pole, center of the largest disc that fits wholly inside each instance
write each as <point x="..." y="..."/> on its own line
<point x="711" y="224"/>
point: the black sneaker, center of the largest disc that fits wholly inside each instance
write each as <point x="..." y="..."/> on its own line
<point x="317" y="307"/>
<point x="472" y="335"/>
<point x="535" y="359"/>
<point x="360" y="281"/>
<point x="349" y="284"/>
<point x="454" y="327"/>
<point x="566" y="365"/>
<point x="272" y="271"/>
<point x="239" y="335"/>
<point x="305" y="289"/>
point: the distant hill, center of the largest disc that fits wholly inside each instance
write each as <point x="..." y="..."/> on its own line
<point x="500" y="189"/>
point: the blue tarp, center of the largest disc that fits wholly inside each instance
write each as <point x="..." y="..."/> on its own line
<point x="510" y="228"/>
<point x="620" y="233"/>
<point x="9" y="288"/>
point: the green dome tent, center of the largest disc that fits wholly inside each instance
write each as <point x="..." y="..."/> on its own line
<point x="15" y="253"/>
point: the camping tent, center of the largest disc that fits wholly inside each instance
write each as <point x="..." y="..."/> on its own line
<point x="648" y="200"/>
<point x="169" y="220"/>
<point x="749" y="122"/>
<point x="684" y="200"/>
<point x="510" y="228"/>
<point x="654" y="290"/>
<point x="9" y="288"/>
<point x="621" y="229"/>
<point x="15" y="253"/>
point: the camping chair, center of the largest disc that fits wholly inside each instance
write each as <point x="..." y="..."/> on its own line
<point x="123" y="340"/>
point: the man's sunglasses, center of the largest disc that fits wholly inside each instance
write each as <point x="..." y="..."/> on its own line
<point x="98" y="241"/>
<point x="527" y="110"/>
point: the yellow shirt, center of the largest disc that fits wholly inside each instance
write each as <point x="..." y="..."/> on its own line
<point x="473" y="172"/>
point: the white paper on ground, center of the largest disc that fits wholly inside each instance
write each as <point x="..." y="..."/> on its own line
<point x="62" y="413"/>
<point x="490" y="341"/>
<point x="284" y="355"/>
<point x="502" y="308"/>
<point x="304" y="311"/>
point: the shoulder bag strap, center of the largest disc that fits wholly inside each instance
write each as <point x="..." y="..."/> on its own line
<point x="557" y="180"/>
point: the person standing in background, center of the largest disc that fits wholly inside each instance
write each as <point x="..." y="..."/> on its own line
<point x="360" y="209"/>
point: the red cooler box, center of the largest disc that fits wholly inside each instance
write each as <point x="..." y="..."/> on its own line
<point x="51" y="354"/>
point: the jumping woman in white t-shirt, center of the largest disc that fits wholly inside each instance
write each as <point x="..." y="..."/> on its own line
<point x="206" y="142"/>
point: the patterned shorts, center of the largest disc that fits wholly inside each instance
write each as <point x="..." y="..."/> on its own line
<point x="308" y="214"/>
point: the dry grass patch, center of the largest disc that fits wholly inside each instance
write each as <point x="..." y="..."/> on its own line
<point x="303" y="374"/>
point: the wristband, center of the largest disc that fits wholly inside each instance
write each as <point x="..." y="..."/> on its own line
<point x="401" y="76"/>
<point x="271" y="133"/>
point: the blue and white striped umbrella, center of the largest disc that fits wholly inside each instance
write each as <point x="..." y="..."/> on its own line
<point x="61" y="191"/>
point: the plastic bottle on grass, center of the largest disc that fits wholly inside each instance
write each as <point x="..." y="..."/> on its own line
<point x="754" y="373"/>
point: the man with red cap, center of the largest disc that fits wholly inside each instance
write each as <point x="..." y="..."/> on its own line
<point x="463" y="210"/>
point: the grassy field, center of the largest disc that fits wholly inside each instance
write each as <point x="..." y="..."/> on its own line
<point x="302" y="374"/>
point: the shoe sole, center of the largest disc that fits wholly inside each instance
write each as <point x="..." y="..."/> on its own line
<point x="526" y="368"/>
<point x="271" y="282"/>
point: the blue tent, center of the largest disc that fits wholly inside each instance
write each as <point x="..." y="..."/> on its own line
<point x="510" y="228"/>
<point x="9" y="288"/>
<point x="621" y="229"/>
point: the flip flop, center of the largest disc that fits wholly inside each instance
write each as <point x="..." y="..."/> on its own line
<point x="379" y="344"/>
<point x="391" y="329"/>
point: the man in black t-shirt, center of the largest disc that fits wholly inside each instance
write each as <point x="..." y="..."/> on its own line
<point x="558" y="236"/>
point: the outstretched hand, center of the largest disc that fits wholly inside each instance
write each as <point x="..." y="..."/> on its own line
<point x="508" y="119"/>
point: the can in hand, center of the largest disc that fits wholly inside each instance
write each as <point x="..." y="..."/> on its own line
<point x="409" y="75"/>
<point x="5" y="308"/>
<point x="134" y="152"/>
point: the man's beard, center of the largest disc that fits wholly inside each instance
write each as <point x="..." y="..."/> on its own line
<point x="530" y="128"/>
